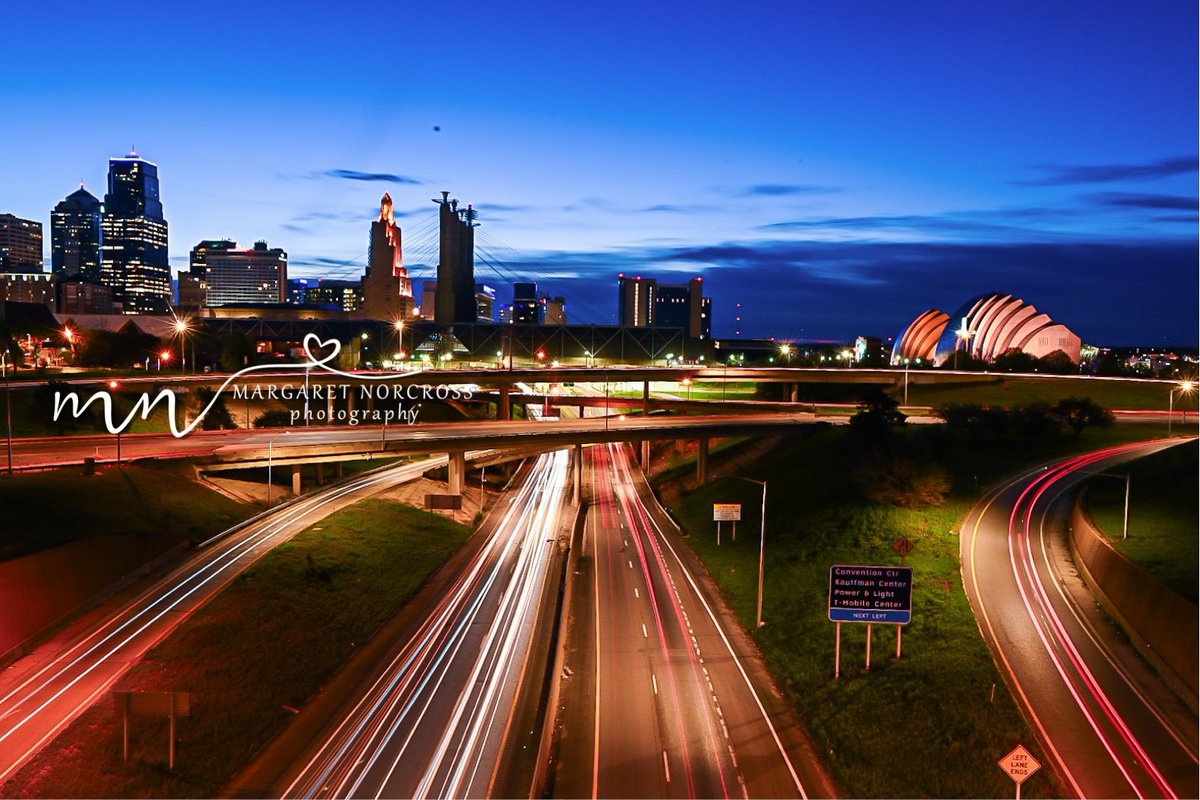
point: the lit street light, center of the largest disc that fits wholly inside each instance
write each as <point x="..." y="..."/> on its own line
<point x="1183" y="388"/>
<point x="762" y="543"/>
<point x="181" y="329"/>
<point x="785" y="350"/>
<point x="963" y="334"/>
<point x="112" y="387"/>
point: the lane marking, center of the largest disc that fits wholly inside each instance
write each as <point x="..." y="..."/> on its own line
<point x="654" y="681"/>
<point x="635" y="592"/>
<point x="666" y="767"/>
<point x="644" y="634"/>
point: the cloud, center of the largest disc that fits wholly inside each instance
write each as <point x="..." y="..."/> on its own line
<point x="1156" y="202"/>
<point x="355" y="175"/>
<point x="782" y="189"/>
<point x="1070" y="174"/>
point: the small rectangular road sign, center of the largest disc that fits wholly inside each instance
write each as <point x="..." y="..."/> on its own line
<point x="1019" y="764"/>
<point x="727" y="512"/>
<point x="870" y="594"/>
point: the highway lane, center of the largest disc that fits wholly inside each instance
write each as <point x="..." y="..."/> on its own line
<point x="43" y="692"/>
<point x="660" y="701"/>
<point x="1108" y="724"/>
<point x="433" y="719"/>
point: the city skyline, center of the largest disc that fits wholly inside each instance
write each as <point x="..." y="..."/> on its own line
<point x="835" y="171"/>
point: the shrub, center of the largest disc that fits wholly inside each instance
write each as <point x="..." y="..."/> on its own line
<point x="902" y="480"/>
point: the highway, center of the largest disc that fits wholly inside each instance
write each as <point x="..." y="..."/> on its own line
<point x="663" y="698"/>
<point x="1106" y="722"/>
<point x="432" y="721"/>
<point x="43" y="692"/>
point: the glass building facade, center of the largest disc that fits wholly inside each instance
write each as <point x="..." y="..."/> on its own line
<point x="134" y="238"/>
<point x="75" y="237"/>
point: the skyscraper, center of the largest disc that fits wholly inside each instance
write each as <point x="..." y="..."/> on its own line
<point x="134" y="237"/>
<point x="455" y="301"/>
<point x="20" y="244"/>
<point x="387" y="291"/>
<point x="75" y="236"/>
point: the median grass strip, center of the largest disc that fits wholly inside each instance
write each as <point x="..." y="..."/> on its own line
<point x="1163" y="527"/>
<point x="927" y="725"/>
<point x="47" y="509"/>
<point x="251" y="657"/>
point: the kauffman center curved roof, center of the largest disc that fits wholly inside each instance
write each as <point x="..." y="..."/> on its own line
<point x="986" y="327"/>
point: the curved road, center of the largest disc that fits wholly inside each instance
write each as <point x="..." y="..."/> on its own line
<point x="1106" y="722"/>
<point x="43" y="692"/>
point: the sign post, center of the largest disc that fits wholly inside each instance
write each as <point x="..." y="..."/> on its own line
<point x="869" y="594"/>
<point x="152" y="704"/>
<point x="1019" y="765"/>
<point x="726" y="512"/>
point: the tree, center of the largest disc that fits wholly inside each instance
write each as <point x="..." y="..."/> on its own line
<point x="218" y="417"/>
<point x="1015" y="359"/>
<point x="878" y="413"/>
<point x="276" y="418"/>
<point x="1080" y="412"/>
<point x="1058" y="363"/>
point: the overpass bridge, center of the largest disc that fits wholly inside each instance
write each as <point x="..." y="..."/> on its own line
<point x="295" y="447"/>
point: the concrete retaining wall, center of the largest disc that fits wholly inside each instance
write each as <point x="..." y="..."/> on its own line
<point x="40" y="589"/>
<point x="1163" y="624"/>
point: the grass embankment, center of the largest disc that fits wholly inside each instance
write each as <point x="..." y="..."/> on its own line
<point x="1017" y="391"/>
<point x="47" y="509"/>
<point x="1163" y="528"/>
<point x="922" y="726"/>
<point x="266" y="643"/>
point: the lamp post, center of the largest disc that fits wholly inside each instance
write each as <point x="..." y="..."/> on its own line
<point x="7" y="406"/>
<point x="113" y="386"/>
<point x="906" y="381"/>
<point x="762" y="543"/>
<point x="1183" y="388"/>
<point x="963" y="334"/>
<point x="270" y="456"/>
<point x="399" y="327"/>
<point x="182" y="328"/>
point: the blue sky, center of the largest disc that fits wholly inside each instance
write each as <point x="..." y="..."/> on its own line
<point x="835" y="167"/>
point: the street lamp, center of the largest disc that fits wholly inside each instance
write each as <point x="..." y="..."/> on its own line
<point x="7" y="406"/>
<point x="181" y="329"/>
<point x="398" y="325"/>
<point x="112" y="387"/>
<point x="762" y="542"/>
<point x="785" y="350"/>
<point x="963" y="334"/>
<point x="270" y="455"/>
<point x="1183" y="388"/>
<point x="688" y="383"/>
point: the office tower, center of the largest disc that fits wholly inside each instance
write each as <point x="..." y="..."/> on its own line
<point x="555" y="310"/>
<point x="387" y="291"/>
<point x="706" y="318"/>
<point x="428" y="299"/>
<point x="485" y="303"/>
<point x="455" y="299"/>
<point x="635" y="301"/>
<point x="505" y="315"/>
<point x="233" y="275"/>
<point x="646" y="303"/>
<point x="133" y="261"/>
<point x="527" y="309"/>
<point x="75" y="236"/>
<point x="20" y="244"/>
